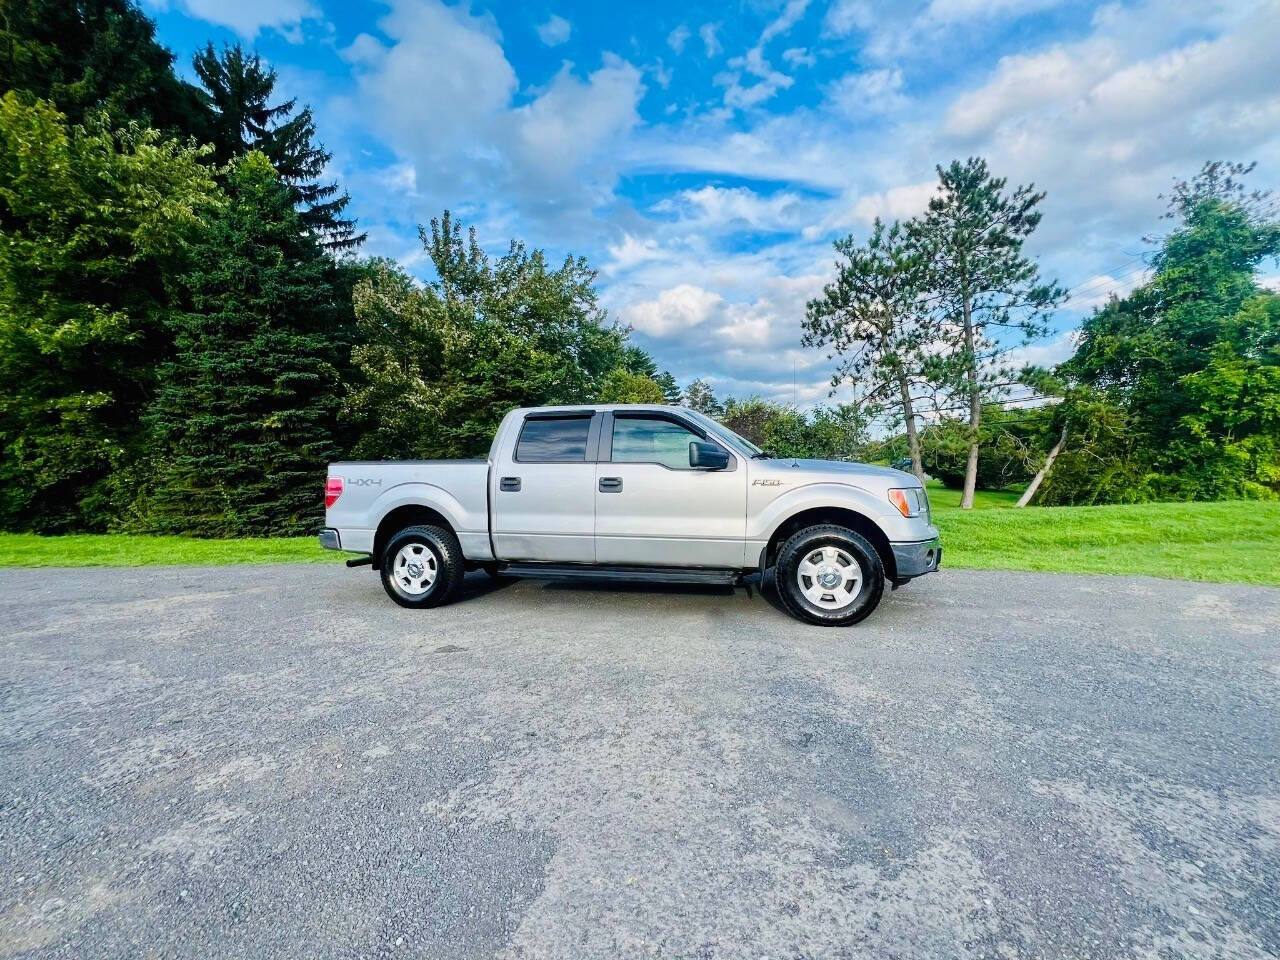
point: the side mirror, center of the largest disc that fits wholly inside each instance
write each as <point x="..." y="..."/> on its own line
<point x="707" y="456"/>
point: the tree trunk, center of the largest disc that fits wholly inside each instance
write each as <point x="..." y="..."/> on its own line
<point x="1044" y="471"/>
<point x="913" y="437"/>
<point x="975" y="405"/>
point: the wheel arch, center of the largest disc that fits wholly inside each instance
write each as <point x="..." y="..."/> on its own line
<point x="859" y="523"/>
<point x="406" y="515"/>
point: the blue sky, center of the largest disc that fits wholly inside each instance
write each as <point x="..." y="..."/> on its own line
<point x="704" y="156"/>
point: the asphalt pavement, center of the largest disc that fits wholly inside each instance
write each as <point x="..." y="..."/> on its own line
<point x="275" y="761"/>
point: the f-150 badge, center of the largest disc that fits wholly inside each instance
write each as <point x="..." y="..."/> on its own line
<point x="766" y="483"/>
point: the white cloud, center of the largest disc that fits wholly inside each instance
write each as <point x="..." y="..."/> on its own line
<point x="769" y="81"/>
<point x="453" y="115"/>
<point x="730" y="209"/>
<point x="1100" y="288"/>
<point x="783" y="23"/>
<point x="555" y="31"/>
<point x="868" y="94"/>
<point x="952" y="11"/>
<point x="1027" y="82"/>
<point x="248" y="18"/>
<point x="710" y="42"/>
<point x="661" y="73"/>
<point x="754" y="63"/>
<point x="847" y="16"/>
<point x="631" y="252"/>
<point x="799" y="57"/>
<point x="677" y="38"/>
<point x="896" y="203"/>
<point x="1048" y="353"/>
<point x="678" y="308"/>
<point x="572" y="119"/>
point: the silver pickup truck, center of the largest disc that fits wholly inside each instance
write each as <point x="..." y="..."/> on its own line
<point x="634" y="492"/>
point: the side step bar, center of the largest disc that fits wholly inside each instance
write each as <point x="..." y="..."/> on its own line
<point x="585" y="571"/>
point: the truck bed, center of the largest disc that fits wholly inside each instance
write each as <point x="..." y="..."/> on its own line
<point x="374" y="488"/>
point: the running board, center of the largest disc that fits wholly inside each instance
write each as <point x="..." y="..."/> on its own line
<point x="586" y="571"/>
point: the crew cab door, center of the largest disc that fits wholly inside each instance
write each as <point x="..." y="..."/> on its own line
<point x="543" y="493"/>
<point x="652" y="508"/>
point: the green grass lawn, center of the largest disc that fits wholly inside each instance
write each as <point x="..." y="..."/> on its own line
<point x="117" y="550"/>
<point x="1236" y="541"/>
<point x="941" y="498"/>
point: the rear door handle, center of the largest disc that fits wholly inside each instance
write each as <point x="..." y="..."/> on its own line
<point x="510" y="484"/>
<point x="610" y="484"/>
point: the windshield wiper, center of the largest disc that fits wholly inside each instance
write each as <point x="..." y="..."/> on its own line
<point x="762" y="455"/>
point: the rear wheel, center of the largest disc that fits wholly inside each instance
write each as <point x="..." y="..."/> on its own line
<point x="422" y="566"/>
<point x="829" y="575"/>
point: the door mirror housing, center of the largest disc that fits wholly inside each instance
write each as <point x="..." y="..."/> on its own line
<point x="707" y="456"/>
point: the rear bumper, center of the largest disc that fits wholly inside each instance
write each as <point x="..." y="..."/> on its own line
<point x="329" y="539"/>
<point x="917" y="559"/>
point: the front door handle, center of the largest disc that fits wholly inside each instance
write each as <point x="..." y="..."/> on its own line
<point x="510" y="484"/>
<point x="610" y="484"/>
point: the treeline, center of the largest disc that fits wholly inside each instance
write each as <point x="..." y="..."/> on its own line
<point x="1173" y="392"/>
<point x="186" y="333"/>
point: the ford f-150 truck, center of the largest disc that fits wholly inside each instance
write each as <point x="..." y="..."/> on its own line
<point x="636" y="492"/>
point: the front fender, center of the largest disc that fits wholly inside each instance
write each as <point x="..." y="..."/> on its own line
<point x="770" y="517"/>
<point x="765" y="519"/>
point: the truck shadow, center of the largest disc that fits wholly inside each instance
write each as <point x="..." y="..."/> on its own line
<point x="752" y="588"/>
<point x="479" y="584"/>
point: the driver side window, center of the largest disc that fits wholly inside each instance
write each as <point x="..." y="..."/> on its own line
<point x="651" y="440"/>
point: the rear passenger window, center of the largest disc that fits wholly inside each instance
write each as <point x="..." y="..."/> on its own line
<point x="553" y="440"/>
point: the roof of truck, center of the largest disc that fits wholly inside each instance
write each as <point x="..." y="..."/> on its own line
<point x="592" y="407"/>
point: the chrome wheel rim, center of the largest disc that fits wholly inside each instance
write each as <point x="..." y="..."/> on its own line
<point x="414" y="570"/>
<point x="829" y="578"/>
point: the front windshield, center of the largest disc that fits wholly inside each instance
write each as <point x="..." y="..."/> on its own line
<point x="741" y="444"/>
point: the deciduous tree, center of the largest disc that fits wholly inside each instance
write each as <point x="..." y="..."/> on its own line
<point x="699" y="396"/>
<point x="440" y="364"/>
<point x="95" y="224"/>
<point x="1191" y="356"/>
<point x="94" y="55"/>
<point x="622" y="386"/>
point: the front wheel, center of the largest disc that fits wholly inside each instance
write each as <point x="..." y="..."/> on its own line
<point x="829" y="575"/>
<point x="422" y="567"/>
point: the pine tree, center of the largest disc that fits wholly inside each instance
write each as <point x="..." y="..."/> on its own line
<point x="987" y="288"/>
<point x="238" y="90"/>
<point x="94" y="55"/>
<point x="876" y="317"/>
<point x="244" y="422"/>
<point x="671" y="392"/>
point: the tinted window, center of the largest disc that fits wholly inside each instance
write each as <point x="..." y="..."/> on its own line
<point x="553" y="439"/>
<point x="644" y="440"/>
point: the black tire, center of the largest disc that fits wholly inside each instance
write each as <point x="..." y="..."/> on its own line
<point x="809" y="542"/>
<point x="435" y="545"/>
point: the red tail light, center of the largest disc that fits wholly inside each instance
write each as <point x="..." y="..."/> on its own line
<point x="332" y="491"/>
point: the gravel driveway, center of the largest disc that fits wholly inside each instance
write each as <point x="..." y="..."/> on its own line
<point x="278" y="762"/>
